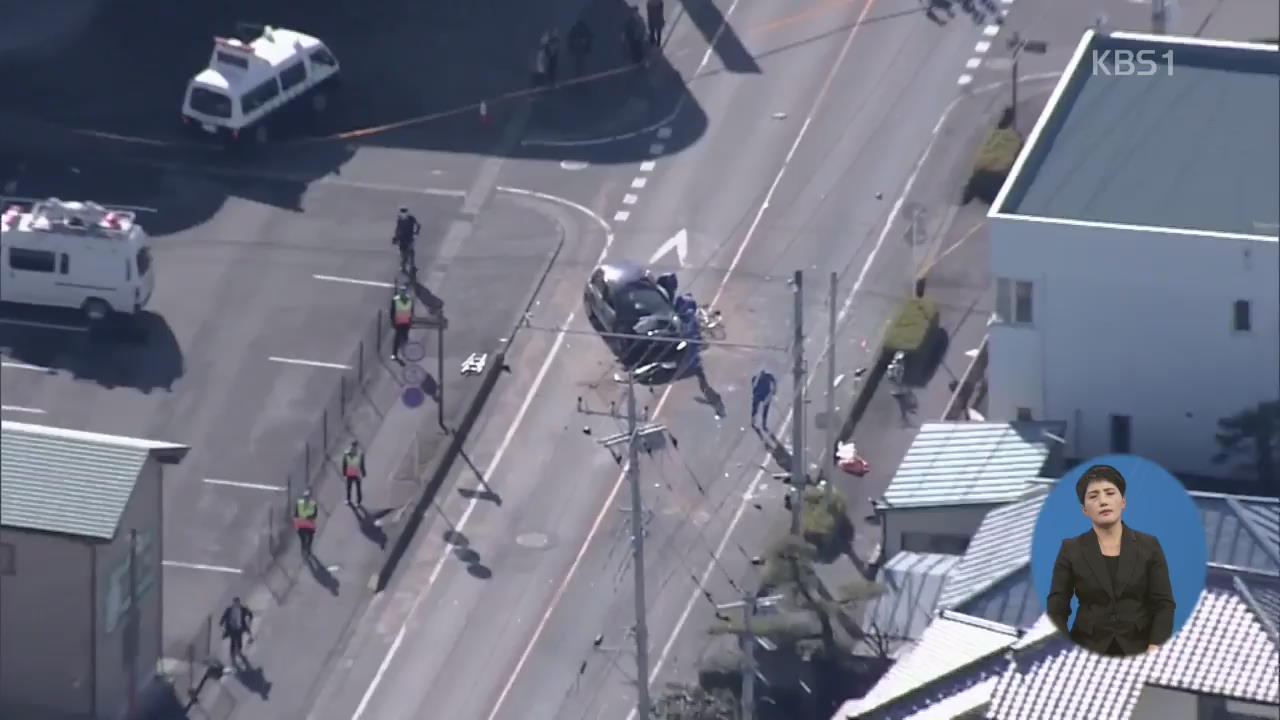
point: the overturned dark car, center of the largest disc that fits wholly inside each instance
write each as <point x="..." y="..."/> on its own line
<point x="623" y="299"/>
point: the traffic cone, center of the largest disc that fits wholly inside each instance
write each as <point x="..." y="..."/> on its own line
<point x="484" y="114"/>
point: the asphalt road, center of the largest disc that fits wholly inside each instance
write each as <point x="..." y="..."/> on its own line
<point x="519" y="642"/>
<point x="232" y="292"/>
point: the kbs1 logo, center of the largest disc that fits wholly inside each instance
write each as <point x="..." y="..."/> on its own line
<point x="1126" y="63"/>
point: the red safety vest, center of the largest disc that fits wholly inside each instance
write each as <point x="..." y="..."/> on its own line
<point x="404" y="312"/>
<point x="351" y="464"/>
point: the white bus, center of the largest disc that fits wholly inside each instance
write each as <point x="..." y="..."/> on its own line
<point x="77" y="255"/>
<point x="250" y="83"/>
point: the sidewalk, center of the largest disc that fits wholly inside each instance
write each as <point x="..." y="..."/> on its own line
<point x="305" y="610"/>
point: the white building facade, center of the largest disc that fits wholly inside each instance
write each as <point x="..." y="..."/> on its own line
<point x="1140" y="337"/>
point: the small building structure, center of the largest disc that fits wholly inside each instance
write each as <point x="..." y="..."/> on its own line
<point x="1134" y="248"/>
<point x="81" y="519"/>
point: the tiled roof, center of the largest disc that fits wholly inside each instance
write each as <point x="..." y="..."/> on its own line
<point x="950" y="643"/>
<point x="1223" y="650"/>
<point x="912" y="582"/>
<point x="1242" y="532"/>
<point x="972" y="463"/>
<point x="68" y="481"/>
<point x="1000" y="547"/>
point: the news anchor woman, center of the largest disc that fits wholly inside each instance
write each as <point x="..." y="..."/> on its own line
<point x="1119" y="576"/>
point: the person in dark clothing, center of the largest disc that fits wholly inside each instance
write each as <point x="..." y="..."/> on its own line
<point x="656" y="21"/>
<point x="762" y="389"/>
<point x="580" y="40"/>
<point x="236" y="622"/>
<point x="550" y="48"/>
<point x="406" y="235"/>
<point x="633" y="36"/>
<point x="1119" y="575"/>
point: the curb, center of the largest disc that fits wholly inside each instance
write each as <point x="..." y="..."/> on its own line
<point x="400" y="543"/>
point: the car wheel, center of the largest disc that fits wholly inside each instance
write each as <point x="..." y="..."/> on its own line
<point x="96" y="309"/>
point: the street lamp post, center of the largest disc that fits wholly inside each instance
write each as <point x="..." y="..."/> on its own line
<point x="1018" y="45"/>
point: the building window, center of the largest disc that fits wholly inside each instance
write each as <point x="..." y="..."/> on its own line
<point x="934" y="543"/>
<point x="1121" y="430"/>
<point x="7" y="559"/>
<point x="1241" y="322"/>
<point x="1024" y="414"/>
<point x="1014" y="301"/>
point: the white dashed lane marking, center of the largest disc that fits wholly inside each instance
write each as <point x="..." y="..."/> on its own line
<point x="621" y="216"/>
<point x="965" y="79"/>
<point x="991" y="30"/>
<point x="630" y="199"/>
<point x="972" y="63"/>
<point x="648" y="166"/>
<point x="982" y="47"/>
<point x="664" y="133"/>
<point x="639" y="183"/>
<point x="656" y="149"/>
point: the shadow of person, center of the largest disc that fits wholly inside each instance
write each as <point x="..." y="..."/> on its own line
<point x="369" y="525"/>
<point x="776" y="449"/>
<point x="709" y="395"/>
<point x="322" y="574"/>
<point x="426" y="297"/>
<point x="479" y="571"/>
<point x="253" y="679"/>
<point x="486" y="492"/>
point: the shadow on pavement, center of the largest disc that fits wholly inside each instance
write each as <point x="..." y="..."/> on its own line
<point x="143" y="354"/>
<point x="322" y="574"/>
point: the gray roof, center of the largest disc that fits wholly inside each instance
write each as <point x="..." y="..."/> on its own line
<point x="1000" y="547"/>
<point x="1242" y="532"/>
<point x="968" y="463"/>
<point x="1194" y="146"/>
<point x="912" y="582"/>
<point x="69" y="481"/>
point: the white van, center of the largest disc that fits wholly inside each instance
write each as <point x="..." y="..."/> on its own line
<point x="249" y="82"/>
<point x="76" y="255"/>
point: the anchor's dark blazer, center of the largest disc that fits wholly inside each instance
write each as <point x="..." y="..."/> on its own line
<point x="1136" y="614"/>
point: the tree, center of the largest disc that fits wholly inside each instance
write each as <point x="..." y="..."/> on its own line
<point x="690" y="702"/>
<point x="1254" y="432"/>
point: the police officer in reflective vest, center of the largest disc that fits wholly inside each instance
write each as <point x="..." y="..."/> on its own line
<point x="353" y="471"/>
<point x="304" y="520"/>
<point x="401" y="320"/>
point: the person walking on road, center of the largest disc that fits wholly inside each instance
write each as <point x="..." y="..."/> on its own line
<point x="353" y="470"/>
<point x="550" y="48"/>
<point x="580" y="39"/>
<point x="633" y="36"/>
<point x="305" y="512"/>
<point x="401" y="321"/>
<point x="763" y="386"/>
<point x="406" y="236"/>
<point x="656" y="21"/>
<point x="236" y="622"/>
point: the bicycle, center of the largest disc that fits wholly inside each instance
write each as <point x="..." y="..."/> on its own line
<point x="711" y="323"/>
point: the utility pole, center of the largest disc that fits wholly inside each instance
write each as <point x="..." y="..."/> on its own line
<point x="1018" y="44"/>
<point x="798" y="419"/>
<point x="829" y="452"/>
<point x="637" y="547"/>
<point x="750" y="604"/>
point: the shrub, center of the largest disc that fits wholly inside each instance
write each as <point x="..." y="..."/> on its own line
<point x="992" y="165"/>
<point x="823" y="519"/>
<point x="912" y="326"/>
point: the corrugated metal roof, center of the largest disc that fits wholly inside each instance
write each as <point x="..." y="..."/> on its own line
<point x="951" y="642"/>
<point x="68" y="481"/>
<point x="1000" y="547"/>
<point x="1242" y="532"/>
<point x="971" y="463"/>
<point x="1013" y="601"/>
<point x="912" y="582"/>
<point x="1222" y="650"/>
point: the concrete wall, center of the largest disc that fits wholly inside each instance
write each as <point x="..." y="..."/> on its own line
<point x="122" y="644"/>
<point x="1135" y="323"/>
<point x="956" y="520"/>
<point x="45" y="658"/>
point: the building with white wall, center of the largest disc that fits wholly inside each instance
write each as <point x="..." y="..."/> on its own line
<point x="1135" y="250"/>
<point x="80" y="570"/>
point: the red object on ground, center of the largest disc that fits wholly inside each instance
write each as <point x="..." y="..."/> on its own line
<point x="855" y="466"/>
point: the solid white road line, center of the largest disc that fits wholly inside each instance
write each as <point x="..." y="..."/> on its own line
<point x="47" y="326"/>
<point x="251" y="486"/>
<point x="310" y="363"/>
<point x="19" y="408"/>
<point x="354" y="281"/>
<point x="24" y="366"/>
<point x="621" y="216"/>
<point x="502" y="448"/>
<point x="198" y="566"/>
<point x="276" y="176"/>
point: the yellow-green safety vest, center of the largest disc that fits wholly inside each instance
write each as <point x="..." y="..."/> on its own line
<point x="404" y="310"/>
<point x="306" y="508"/>
<point x="352" y="461"/>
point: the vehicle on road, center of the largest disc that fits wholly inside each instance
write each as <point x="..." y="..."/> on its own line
<point x="251" y="83"/>
<point x="636" y="317"/>
<point x="77" y="255"/>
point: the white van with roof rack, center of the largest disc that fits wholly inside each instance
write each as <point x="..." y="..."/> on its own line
<point x="77" y="255"/>
<point x="252" y="79"/>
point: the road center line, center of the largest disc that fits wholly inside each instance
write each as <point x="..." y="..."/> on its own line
<point x="354" y="281"/>
<point x="19" y="408"/>
<point x="198" y="566"/>
<point x="251" y="486"/>
<point x="309" y="363"/>
<point x="502" y="449"/>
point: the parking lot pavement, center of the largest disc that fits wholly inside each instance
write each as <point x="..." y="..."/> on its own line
<point x="256" y="309"/>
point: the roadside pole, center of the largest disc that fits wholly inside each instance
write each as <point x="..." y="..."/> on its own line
<point x="829" y="452"/>
<point x="749" y="605"/>
<point x="637" y="546"/>
<point x="798" y="414"/>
